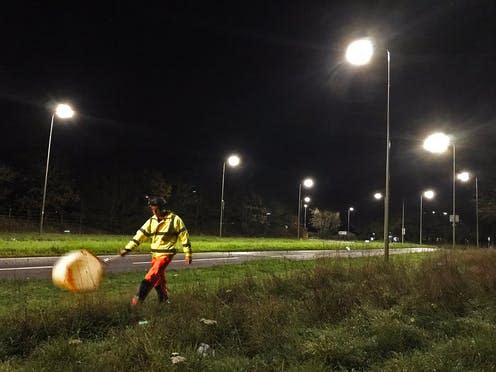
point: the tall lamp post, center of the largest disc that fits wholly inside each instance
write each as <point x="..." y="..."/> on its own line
<point x="232" y="161"/>
<point x="306" y="199"/>
<point x="464" y="177"/>
<point x="359" y="53"/>
<point x="429" y="194"/>
<point x="62" y="111"/>
<point x="307" y="183"/>
<point x="438" y="143"/>
<point x="350" y="209"/>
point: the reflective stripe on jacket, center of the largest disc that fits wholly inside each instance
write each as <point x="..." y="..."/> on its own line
<point x="163" y="234"/>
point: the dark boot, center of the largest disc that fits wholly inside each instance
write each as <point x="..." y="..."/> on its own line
<point x="143" y="291"/>
<point x="162" y="294"/>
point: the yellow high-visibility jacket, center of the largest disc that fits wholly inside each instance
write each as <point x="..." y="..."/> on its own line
<point x="164" y="235"/>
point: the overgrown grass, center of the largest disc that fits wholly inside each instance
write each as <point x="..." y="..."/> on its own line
<point x="24" y="244"/>
<point x="420" y="312"/>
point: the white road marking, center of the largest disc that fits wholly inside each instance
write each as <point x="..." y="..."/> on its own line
<point x="26" y="268"/>
<point x="198" y="259"/>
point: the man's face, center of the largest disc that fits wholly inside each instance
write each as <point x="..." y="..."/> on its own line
<point x="156" y="211"/>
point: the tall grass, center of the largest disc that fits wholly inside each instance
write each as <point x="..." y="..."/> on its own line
<point x="422" y="312"/>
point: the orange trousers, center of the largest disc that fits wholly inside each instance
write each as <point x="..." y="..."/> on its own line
<point x="156" y="274"/>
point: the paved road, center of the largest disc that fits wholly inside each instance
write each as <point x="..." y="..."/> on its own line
<point x="41" y="267"/>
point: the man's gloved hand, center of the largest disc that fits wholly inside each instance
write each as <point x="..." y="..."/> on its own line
<point x="188" y="259"/>
<point x="123" y="252"/>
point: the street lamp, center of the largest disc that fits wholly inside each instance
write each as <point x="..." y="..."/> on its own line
<point x="359" y="53"/>
<point x="429" y="194"/>
<point x="232" y="161"/>
<point x="464" y="177"/>
<point x="306" y="199"/>
<point x="63" y="111"/>
<point x="438" y="143"/>
<point x="350" y="209"/>
<point x="307" y="183"/>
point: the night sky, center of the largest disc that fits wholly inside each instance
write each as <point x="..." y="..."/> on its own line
<point x="192" y="82"/>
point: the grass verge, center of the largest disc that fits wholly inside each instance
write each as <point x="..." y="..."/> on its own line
<point x="419" y="312"/>
<point x="22" y="244"/>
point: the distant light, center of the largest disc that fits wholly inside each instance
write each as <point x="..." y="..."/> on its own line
<point x="463" y="176"/>
<point x="429" y="194"/>
<point x="378" y="196"/>
<point x="437" y="143"/>
<point x="306" y="199"/>
<point x="308" y="182"/>
<point x="433" y="212"/>
<point x="445" y="213"/>
<point x="351" y="209"/>
<point x="359" y="52"/>
<point x="305" y="205"/>
<point x="64" y="111"/>
<point x="233" y="160"/>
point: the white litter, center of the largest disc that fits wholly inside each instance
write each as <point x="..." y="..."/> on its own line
<point x="176" y="358"/>
<point x="205" y="349"/>
<point x="208" y="321"/>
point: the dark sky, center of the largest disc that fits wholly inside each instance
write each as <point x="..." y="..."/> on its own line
<point x="193" y="81"/>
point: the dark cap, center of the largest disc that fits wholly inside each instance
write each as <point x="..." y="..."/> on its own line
<point x="157" y="201"/>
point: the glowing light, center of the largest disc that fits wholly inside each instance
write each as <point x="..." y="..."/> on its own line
<point x="463" y="176"/>
<point x="437" y="143"/>
<point x="306" y="199"/>
<point x="378" y="196"/>
<point x="308" y="182"/>
<point x="359" y="52"/>
<point x="233" y="160"/>
<point x="429" y="194"/>
<point x="64" y="111"/>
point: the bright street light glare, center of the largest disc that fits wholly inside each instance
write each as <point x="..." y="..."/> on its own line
<point x="359" y="52"/>
<point x="233" y="160"/>
<point x="306" y="199"/>
<point x="64" y="111"/>
<point x="351" y="209"/>
<point x="437" y="143"/>
<point x="378" y="196"/>
<point x="429" y="194"/>
<point x="308" y="182"/>
<point x="463" y="176"/>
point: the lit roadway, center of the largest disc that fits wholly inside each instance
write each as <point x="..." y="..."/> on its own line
<point x="41" y="267"/>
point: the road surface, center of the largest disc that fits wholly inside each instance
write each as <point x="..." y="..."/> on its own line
<point x="41" y="267"/>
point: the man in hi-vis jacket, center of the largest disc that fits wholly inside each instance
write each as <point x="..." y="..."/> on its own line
<point x="164" y="228"/>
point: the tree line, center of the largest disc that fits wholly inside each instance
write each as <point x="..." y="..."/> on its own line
<point x="114" y="201"/>
<point x="111" y="200"/>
